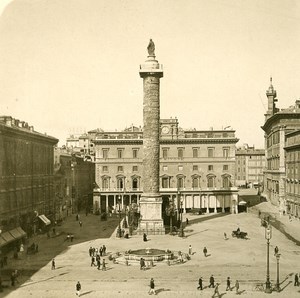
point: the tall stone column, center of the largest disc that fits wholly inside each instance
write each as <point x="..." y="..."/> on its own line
<point x="151" y="201"/>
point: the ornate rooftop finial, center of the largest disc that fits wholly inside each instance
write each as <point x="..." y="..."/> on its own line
<point x="271" y="88"/>
<point x="151" y="48"/>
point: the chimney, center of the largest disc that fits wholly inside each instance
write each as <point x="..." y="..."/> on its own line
<point x="31" y="128"/>
<point x="8" y="120"/>
<point x="297" y="104"/>
<point x="17" y="122"/>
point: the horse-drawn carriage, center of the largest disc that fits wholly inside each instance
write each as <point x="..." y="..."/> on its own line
<point x="239" y="234"/>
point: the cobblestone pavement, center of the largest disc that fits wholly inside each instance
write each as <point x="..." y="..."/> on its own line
<point x="240" y="259"/>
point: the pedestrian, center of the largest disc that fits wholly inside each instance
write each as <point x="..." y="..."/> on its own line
<point x="36" y="248"/>
<point x="228" y="288"/>
<point x="296" y="283"/>
<point x="72" y="237"/>
<point x="200" y="283"/>
<point x="68" y="237"/>
<point x="78" y="288"/>
<point x="216" y="292"/>
<point x="13" y="278"/>
<point x="276" y="250"/>
<point x="93" y="261"/>
<point x="205" y="251"/>
<point x="142" y="264"/>
<point x="152" y="287"/>
<point x="190" y="249"/>
<point x="104" y="250"/>
<point x="145" y="237"/>
<point x="80" y="223"/>
<point x="187" y="221"/>
<point x="101" y="250"/>
<point x="225" y="236"/>
<point x="211" y="282"/>
<point x="53" y="264"/>
<point x="98" y="263"/>
<point x="103" y="265"/>
<point x="90" y="251"/>
<point x="237" y="286"/>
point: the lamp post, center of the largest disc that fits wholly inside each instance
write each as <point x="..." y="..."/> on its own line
<point x="119" y="233"/>
<point x="181" y="233"/>
<point x="268" y="236"/>
<point x="277" y="287"/>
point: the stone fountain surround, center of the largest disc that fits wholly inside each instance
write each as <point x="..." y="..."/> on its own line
<point x="133" y="258"/>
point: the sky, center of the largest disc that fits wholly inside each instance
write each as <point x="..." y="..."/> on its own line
<point x="69" y="66"/>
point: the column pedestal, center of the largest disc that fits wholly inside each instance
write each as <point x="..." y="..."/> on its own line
<point x="151" y="222"/>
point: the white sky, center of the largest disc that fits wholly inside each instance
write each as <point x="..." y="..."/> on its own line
<point x="72" y="65"/>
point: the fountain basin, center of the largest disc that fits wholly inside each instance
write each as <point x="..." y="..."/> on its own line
<point x="148" y="254"/>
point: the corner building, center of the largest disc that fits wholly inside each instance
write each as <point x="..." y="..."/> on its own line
<point x="197" y="166"/>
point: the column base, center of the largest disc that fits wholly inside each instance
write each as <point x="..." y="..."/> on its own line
<point x="151" y="227"/>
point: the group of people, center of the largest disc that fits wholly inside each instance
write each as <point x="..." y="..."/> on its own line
<point x="216" y="286"/>
<point x="96" y="255"/>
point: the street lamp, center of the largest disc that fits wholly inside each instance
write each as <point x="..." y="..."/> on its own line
<point x="119" y="232"/>
<point x="268" y="236"/>
<point x="181" y="233"/>
<point x="277" y="287"/>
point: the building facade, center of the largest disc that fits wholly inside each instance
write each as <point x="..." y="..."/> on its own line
<point x="278" y="123"/>
<point x="195" y="165"/>
<point x="74" y="179"/>
<point x="292" y="183"/>
<point x="26" y="175"/>
<point x="250" y="165"/>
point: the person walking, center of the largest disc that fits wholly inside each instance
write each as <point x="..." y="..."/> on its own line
<point x="205" y="251"/>
<point x="237" y="286"/>
<point x="90" y="251"/>
<point x="216" y="292"/>
<point x="93" y="261"/>
<point x="103" y="265"/>
<point x="78" y="288"/>
<point x="98" y="263"/>
<point x="228" y="288"/>
<point x="53" y="264"/>
<point x="104" y="249"/>
<point x="152" y="287"/>
<point x="190" y="249"/>
<point x="200" y="284"/>
<point x="276" y="250"/>
<point x="296" y="282"/>
<point x="211" y="282"/>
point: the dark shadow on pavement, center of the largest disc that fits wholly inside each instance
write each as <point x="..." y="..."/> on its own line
<point x="222" y="294"/>
<point x="161" y="290"/>
<point x="240" y="292"/>
<point x="86" y="293"/>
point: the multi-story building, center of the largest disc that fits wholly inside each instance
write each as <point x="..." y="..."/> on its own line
<point x="196" y="165"/>
<point x="26" y="175"/>
<point x="250" y="164"/>
<point x="292" y="148"/>
<point x="277" y="124"/>
<point x="82" y="144"/>
<point x="73" y="182"/>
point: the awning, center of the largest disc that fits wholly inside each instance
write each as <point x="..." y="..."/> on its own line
<point x="2" y="241"/>
<point x="241" y="203"/>
<point x="44" y="219"/>
<point x="17" y="233"/>
<point x="7" y="237"/>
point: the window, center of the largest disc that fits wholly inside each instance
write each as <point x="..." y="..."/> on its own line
<point x="210" y="152"/>
<point x="180" y="153"/>
<point x="225" y="167"/>
<point x="210" y="167"/>
<point x="195" y="152"/>
<point x="165" y="168"/>
<point x="180" y="182"/>
<point x="105" y="183"/>
<point x="120" y="153"/>
<point x="195" y="182"/>
<point x="195" y="167"/>
<point x="135" y="153"/>
<point x="120" y="183"/>
<point x="120" y="168"/>
<point x="165" y="182"/>
<point x="135" y="183"/>
<point x="105" y="169"/>
<point x="180" y="168"/>
<point x="226" y="182"/>
<point x="134" y="168"/>
<point x="105" y="153"/>
<point x="165" y="153"/>
<point x="210" y="181"/>
<point x="226" y="152"/>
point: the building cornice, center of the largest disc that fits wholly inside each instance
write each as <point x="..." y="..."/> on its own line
<point x="278" y="116"/>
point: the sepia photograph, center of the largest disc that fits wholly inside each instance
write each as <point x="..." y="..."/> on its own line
<point x="149" y="147"/>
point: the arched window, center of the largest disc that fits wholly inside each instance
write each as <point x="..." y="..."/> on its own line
<point x="226" y="181"/>
<point x="120" y="182"/>
<point x="180" y="182"/>
<point x="135" y="183"/>
<point x="210" y="181"/>
<point x="105" y="183"/>
<point x="195" y="182"/>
